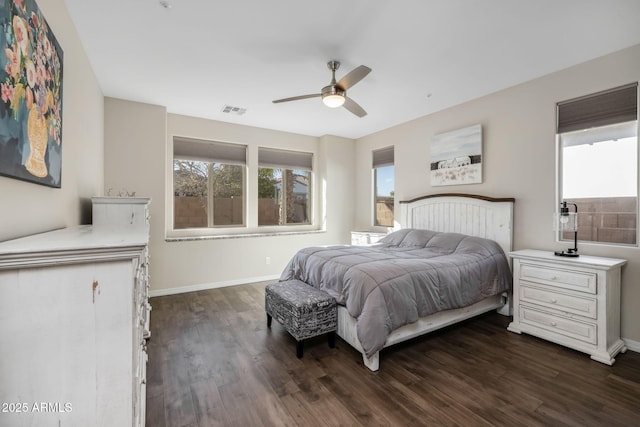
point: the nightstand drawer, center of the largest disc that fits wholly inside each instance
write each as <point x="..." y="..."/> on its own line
<point x="581" y="331"/>
<point x="567" y="279"/>
<point x="583" y="306"/>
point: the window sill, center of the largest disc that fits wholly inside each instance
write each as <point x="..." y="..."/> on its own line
<point x="240" y="235"/>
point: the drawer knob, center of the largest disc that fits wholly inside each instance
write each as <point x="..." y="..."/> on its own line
<point x="553" y="301"/>
<point x="553" y="323"/>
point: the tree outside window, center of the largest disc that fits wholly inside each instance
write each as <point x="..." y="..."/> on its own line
<point x="208" y="184"/>
<point x="283" y="196"/>
<point x="284" y="187"/>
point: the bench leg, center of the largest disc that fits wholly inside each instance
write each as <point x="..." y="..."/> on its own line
<point x="332" y="339"/>
<point x="268" y="320"/>
<point x="299" y="349"/>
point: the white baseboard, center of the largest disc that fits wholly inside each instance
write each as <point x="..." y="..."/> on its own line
<point x="205" y="286"/>
<point x="632" y="345"/>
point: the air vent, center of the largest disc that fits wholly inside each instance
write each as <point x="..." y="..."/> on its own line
<point x="233" y="110"/>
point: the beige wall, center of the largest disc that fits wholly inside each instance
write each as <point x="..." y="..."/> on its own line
<point x="120" y="145"/>
<point x="29" y="208"/>
<point x="518" y="127"/>
<point x="138" y="159"/>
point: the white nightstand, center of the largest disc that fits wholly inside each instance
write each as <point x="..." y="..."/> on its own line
<point x="574" y="302"/>
<point x="365" y="237"/>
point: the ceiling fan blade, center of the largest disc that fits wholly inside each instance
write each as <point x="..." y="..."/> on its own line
<point x="353" y="77"/>
<point x="354" y="107"/>
<point x="296" y="98"/>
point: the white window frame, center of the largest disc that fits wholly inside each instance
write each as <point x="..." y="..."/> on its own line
<point x="380" y="158"/>
<point x="250" y="201"/>
<point x="203" y="154"/>
<point x="283" y="159"/>
<point x="596" y="126"/>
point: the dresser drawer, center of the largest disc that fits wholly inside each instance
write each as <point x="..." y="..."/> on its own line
<point x="582" y="305"/>
<point x="567" y="279"/>
<point x="586" y="332"/>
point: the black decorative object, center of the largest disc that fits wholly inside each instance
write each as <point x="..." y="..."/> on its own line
<point x="568" y="221"/>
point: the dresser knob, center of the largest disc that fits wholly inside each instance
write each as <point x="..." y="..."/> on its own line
<point x="553" y="323"/>
<point x="553" y="301"/>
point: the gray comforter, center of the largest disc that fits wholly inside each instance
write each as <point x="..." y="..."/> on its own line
<point x="409" y="274"/>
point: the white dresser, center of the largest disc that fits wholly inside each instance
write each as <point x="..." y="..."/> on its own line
<point x="71" y="333"/>
<point x="361" y="238"/>
<point x="574" y="302"/>
<point x="73" y="322"/>
<point x="133" y="212"/>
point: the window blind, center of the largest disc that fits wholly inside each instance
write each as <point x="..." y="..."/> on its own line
<point x="599" y="109"/>
<point x="209" y="151"/>
<point x="285" y="159"/>
<point x="383" y="157"/>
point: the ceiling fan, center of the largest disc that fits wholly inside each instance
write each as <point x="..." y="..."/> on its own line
<point x="335" y="94"/>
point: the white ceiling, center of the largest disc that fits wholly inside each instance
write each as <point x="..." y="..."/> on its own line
<point x="199" y="55"/>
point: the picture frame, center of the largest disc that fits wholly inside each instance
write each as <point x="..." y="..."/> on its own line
<point x="31" y="64"/>
<point x="456" y="157"/>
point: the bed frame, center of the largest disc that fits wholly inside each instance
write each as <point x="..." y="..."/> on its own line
<point x="487" y="217"/>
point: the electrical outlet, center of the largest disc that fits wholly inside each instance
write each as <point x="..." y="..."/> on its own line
<point x="267" y="260"/>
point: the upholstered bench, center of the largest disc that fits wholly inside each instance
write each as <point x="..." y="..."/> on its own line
<point x="303" y="310"/>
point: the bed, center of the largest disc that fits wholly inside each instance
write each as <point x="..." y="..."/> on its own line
<point x="445" y="263"/>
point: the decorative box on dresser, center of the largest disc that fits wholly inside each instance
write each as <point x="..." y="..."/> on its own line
<point x="120" y="210"/>
<point x="72" y="349"/>
<point x="574" y="302"/>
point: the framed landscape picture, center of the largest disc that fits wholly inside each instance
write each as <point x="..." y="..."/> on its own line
<point x="456" y="157"/>
<point x="30" y="95"/>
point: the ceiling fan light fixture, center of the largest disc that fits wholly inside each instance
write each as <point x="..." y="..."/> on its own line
<point x="333" y="96"/>
<point x="333" y="100"/>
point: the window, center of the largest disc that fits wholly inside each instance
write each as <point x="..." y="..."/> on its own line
<point x="208" y="184"/>
<point x="383" y="187"/>
<point x="284" y="187"/>
<point x="598" y="149"/>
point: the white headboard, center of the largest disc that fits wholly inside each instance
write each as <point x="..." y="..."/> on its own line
<point x="480" y="216"/>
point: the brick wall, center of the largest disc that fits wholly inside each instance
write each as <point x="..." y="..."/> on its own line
<point x="269" y="212"/>
<point x="610" y="220"/>
<point x="384" y="213"/>
<point x="189" y="212"/>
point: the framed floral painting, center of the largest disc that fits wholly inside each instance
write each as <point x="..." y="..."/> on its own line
<point x="30" y="95"/>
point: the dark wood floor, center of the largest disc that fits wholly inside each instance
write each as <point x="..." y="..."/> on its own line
<point x="213" y="362"/>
